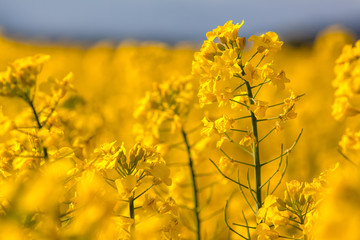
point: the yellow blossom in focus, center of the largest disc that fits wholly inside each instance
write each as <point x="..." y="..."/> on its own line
<point x="228" y="32"/>
<point x="277" y="78"/>
<point x="259" y="109"/>
<point x="247" y="140"/>
<point x="264" y="232"/>
<point x="209" y="127"/>
<point x="223" y="124"/>
<point x="268" y="42"/>
<point x="252" y="73"/>
<point x="126" y="186"/>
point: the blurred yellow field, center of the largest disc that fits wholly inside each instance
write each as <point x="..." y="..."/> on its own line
<point x="237" y="139"/>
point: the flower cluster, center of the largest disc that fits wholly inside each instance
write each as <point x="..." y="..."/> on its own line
<point x="166" y="105"/>
<point x="226" y="78"/>
<point x="21" y="76"/>
<point x="347" y="82"/>
<point x="347" y="88"/>
<point x="297" y="211"/>
<point x="54" y="171"/>
<point x="234" y="80"/>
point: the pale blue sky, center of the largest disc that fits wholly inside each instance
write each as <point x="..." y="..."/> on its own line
<point x="169" y="20"/>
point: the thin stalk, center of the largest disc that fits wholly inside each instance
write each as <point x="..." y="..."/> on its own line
<point x="256" y="151"/>
<point x="260" y="84"/>
<point x="238" y="86"/>
<point x="276" y="171"/>
<point x="239" y="103"/>
<point x="259" y="88"/>
<point x="286" y="151"/>
<point x="241" y="225"/>
<point x="132" y="216"/>
<point x="237" y="144"/>
<point x="143" y="192"/>
<point x="260" y="60"/>
<point x="268" y="119"/>
<point x="242" y="192"/>
<point x="282" y="175"/>
<point x="247" y="225"/>
<point x="227" y="224"/>
<point x="267" y="134"/>
<point x="240" y="95"/>
<point x="278" y="104"/>
<point x="253" y="56"/>
<point x="239" y="130"/>
<point x="232" y="180"/>
<point x="233" y="160"/>
<point x="346" y="157"/>
<point x="194" y="187"/>
<point x="31" y="104"/>
<point x="239" y="118"/>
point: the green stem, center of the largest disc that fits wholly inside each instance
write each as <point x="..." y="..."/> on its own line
<point x="31" y="104"/>
<point x="256" y="151"/>
<point x="132" y="216"/>
<point x="253" y="56"/>
<point x="194" y="186"/>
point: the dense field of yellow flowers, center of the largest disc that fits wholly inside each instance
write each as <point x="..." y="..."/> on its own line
<point x="236" y="139"/>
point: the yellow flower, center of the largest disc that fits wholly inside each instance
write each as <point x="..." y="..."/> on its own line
<point x="169" y="206"/>
<point x="277" y="78"/>
<point x="294" y="196"/>
<point x="239" y="99"/>
<point x="21" y="76"/>
<point x="126" y="186"/>
<point x="149" y="204"/>
<point x="170" y="228"/>
<point x="251" y="73"/>
<point x="226" y="65"/>
<point x="63" y="86"/>
<point x="209" y="127"/>
<point x="227" y="33"/>
<point x="248" y="139"/>
<point x="169" y="101"/>
<point x="226" y="165"/>
<point x="136" y="154"/>
<point x="161" y="174"/>
<point x="259" y="109"/>
<point x="268" y="42"/>
<point x="6" y="124"/>
<point x="350" y="141"/>
<point x="223" y="124"/>
<point x="208" y="50"/>
<point x="273" y="212"/>
<point x="264" y="232"/>
<point x="108" y="155"/>
<point x="51" y="137"/>
<point x="342" y="109"/>
<point x="206" y="95"/>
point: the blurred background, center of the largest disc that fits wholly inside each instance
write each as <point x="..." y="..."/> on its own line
<point x="91" y="39"/>
<point x="168" y="20"/>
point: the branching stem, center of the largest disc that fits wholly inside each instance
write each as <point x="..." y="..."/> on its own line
<point x="194" y="186"/>
<point x="256" y="151"/>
